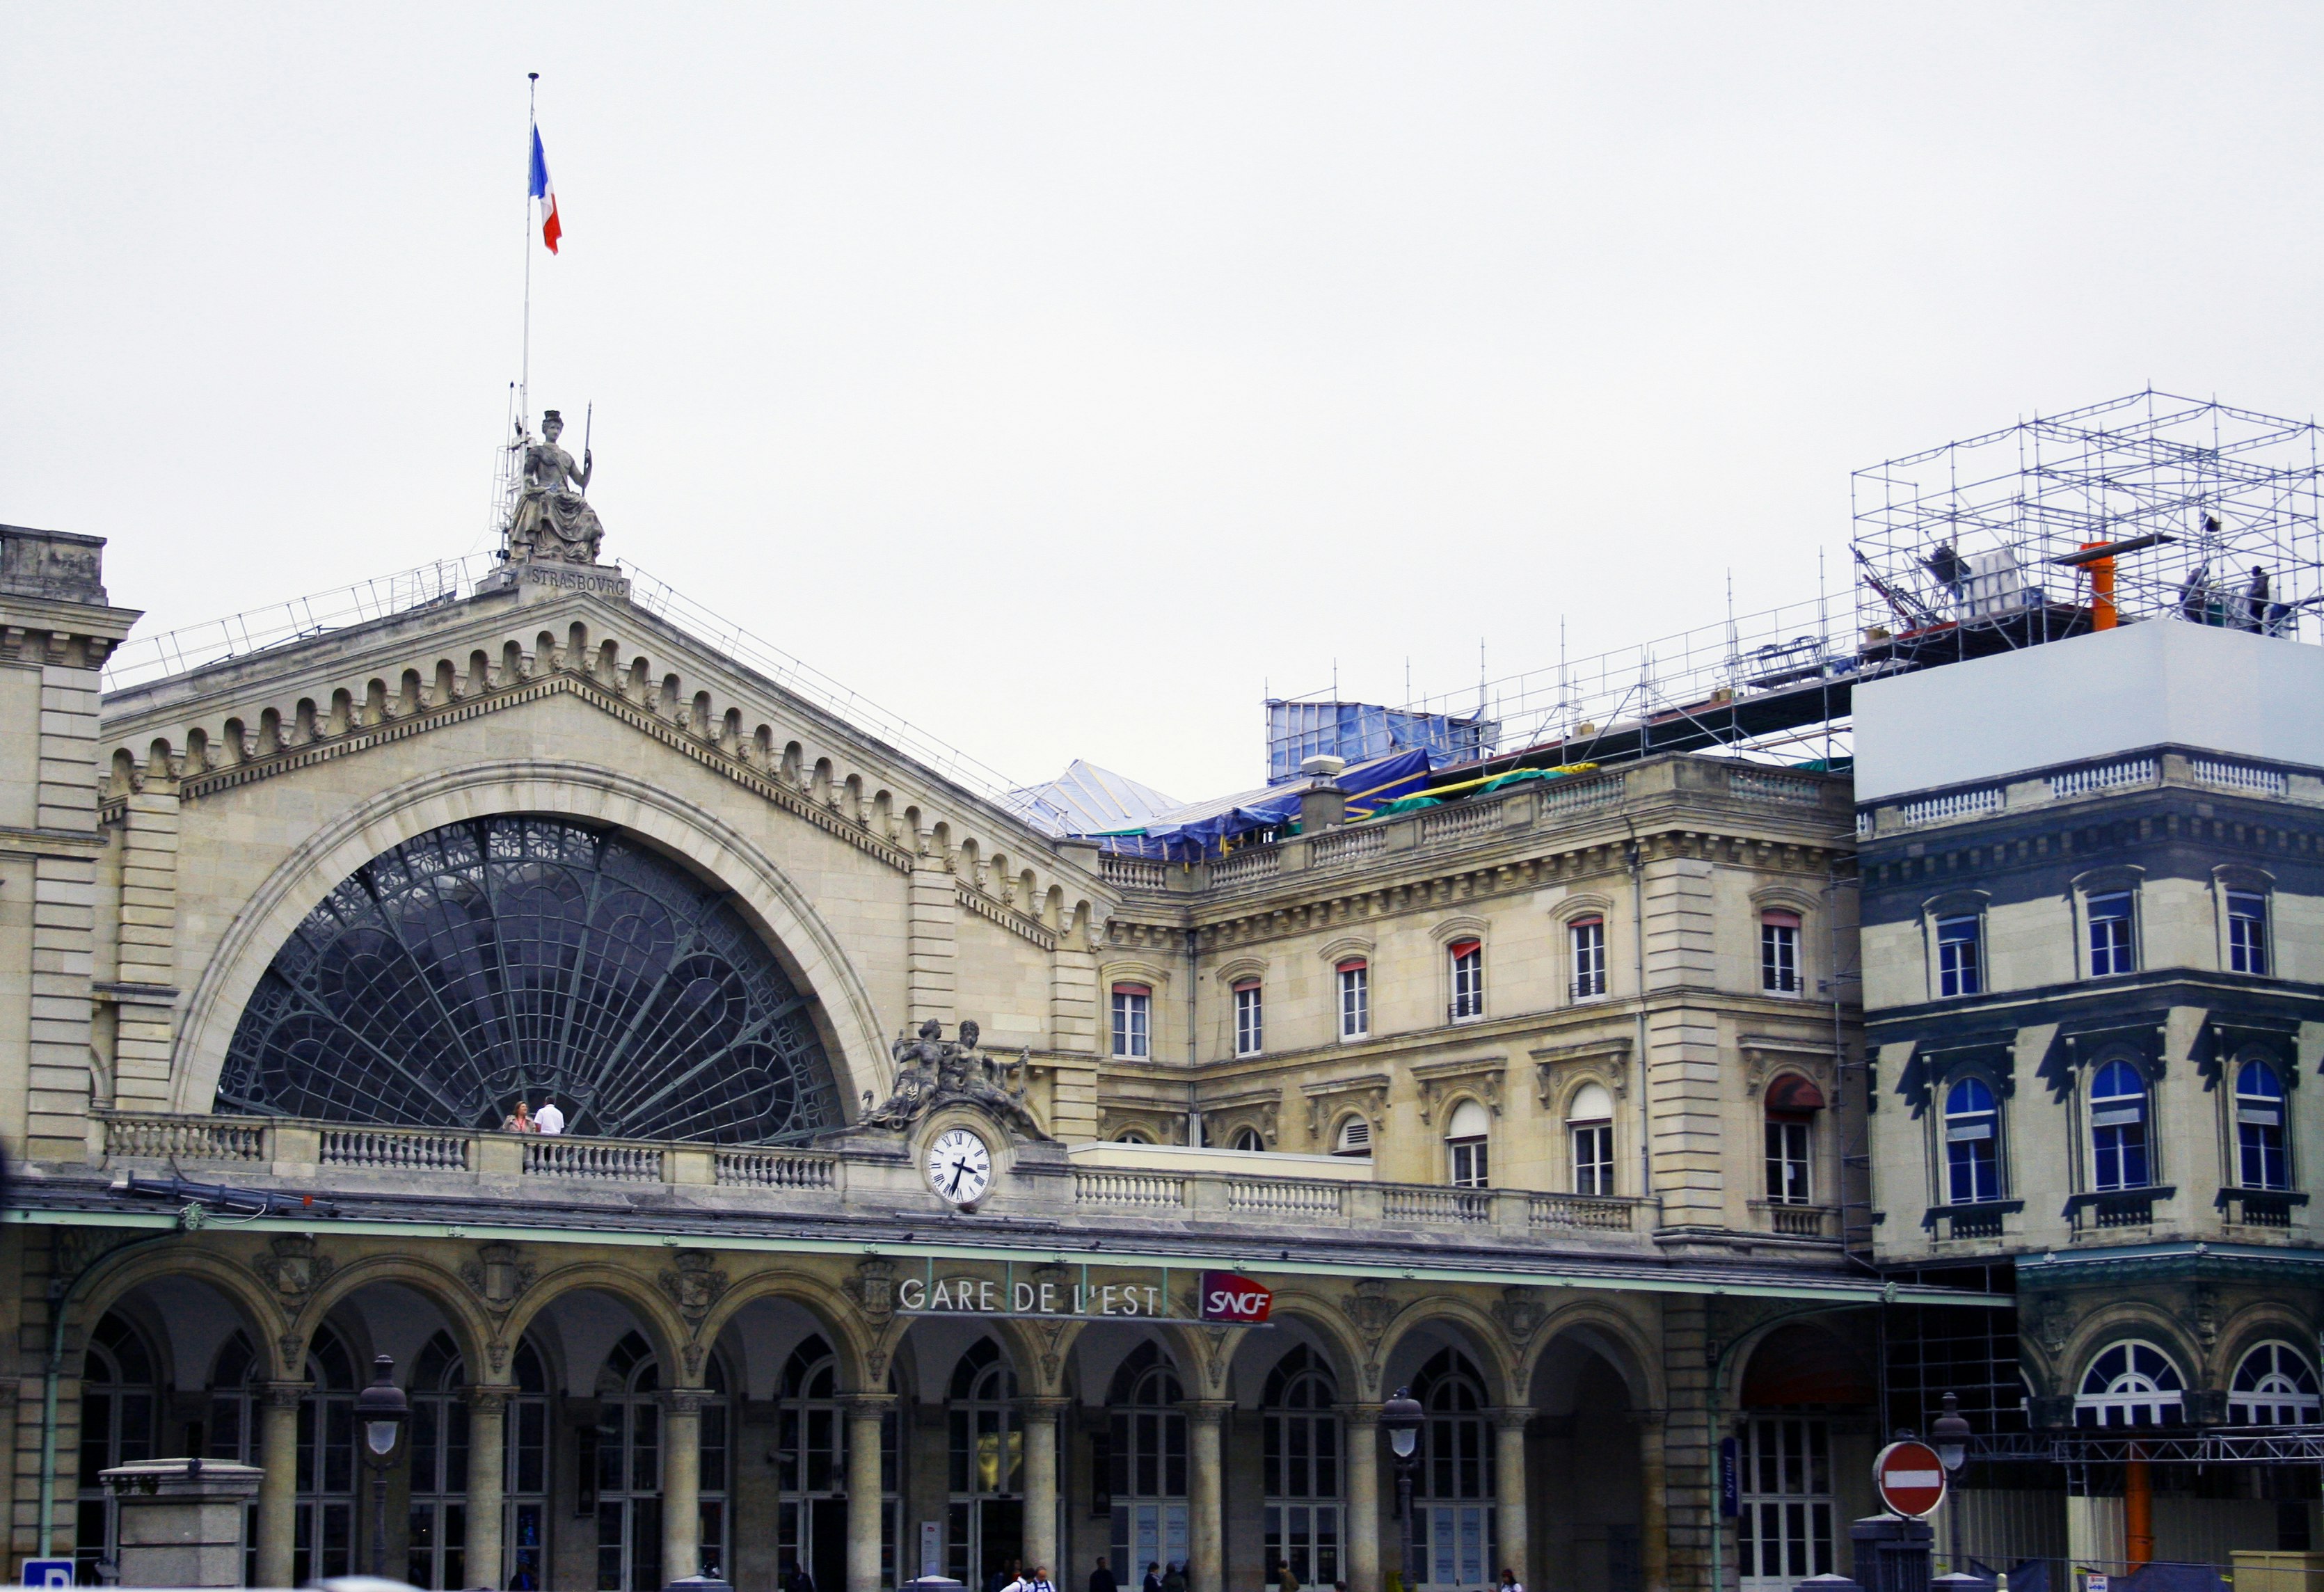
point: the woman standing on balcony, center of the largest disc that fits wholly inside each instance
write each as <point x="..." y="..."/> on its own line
<point x="520" y="1120"/>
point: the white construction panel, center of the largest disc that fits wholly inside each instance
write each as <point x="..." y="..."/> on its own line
<point x="2162" y="682"/>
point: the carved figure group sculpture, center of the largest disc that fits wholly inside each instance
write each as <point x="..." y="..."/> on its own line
<point x="931" y="1071"/>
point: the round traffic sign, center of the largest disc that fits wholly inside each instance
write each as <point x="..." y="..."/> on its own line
<point x="1911" y="1479"/>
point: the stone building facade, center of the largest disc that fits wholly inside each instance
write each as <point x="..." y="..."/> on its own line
<point x="1541" y="1104"/>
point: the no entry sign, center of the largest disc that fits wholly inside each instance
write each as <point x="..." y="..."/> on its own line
<point x="1911" y="1479"/>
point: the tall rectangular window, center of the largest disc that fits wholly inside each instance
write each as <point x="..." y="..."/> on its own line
<point x="1133" y="1021"/>
<point x="2247" y="933"/>
<point x="1593" y="1158"/>
<point x="2112" y="935"/>
<point x="1355" y="1001"/>
<point x="1960" y="955"/>
<point x="1779" y="952"/>
<point x="2118" y="1103"/>
<point x="1589" y="937"/>
<point x="1249" y="1030"/>
<point x="1468" y="980"/>
<point x="1787" y="1161"/>
<point x="1468" y="1165"/>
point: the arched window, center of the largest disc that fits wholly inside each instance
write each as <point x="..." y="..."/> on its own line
<point x="2274" y="1385"/>
<point x="1248" y="1140"/>
<point x="987" y="1452"/>
<point x="436" y="1446"/>
<point x="2131" y="1384"/>
<point x="1972" y="1142"/>
<point x="323" y="1534"/>
<point x="120" y="1414"/>
<point x="1301" y="1468"/>
<point x="1454" y="1531"/>
<point x="1468" y="958"/>
<point x="1590" y="1131"/>
<point x="1133" y="1136"/>
<point x="1354" y="1137"/>
<point x="1792" y="1104"/>
<point x="811" y="1465"/>
<point x="628" y="1473"/>
<point x="1779" y="952"/>
<point x="516" y="955"/>
<point x="2118" y="1110"/>
<point x="2260" y="1159"/>
<point x="1146" y="1459"/>
<point x="1466" y="1146"/>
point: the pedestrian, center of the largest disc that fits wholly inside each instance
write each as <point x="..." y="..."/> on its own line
<point x="1101" y="1577"/>
<point x="796" y="1579"/>
<point x="1153" y="1577"/>
<point x="549" y="1118"/>
<point x="1509" y="1582"/>
<point x="1039" y="1581"/>
<point x="1005" y="1578"/>
<point x="1285" y="1580"/>
<point x="520" y="1120"/>
<point x="1174" y="1580"/>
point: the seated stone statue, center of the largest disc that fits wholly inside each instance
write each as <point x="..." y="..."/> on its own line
<point x="551" y="524"/>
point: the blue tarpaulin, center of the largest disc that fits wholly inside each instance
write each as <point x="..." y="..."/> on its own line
<point x="1203" y="829"/>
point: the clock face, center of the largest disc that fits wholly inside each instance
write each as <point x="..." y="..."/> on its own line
<point x="960" y="1168"/>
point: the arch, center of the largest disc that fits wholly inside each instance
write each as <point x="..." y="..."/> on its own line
<point x="664" y="1329"/>
<point x="802" y="942"/>
<point x="1342" y="1351"/>
<point x="114" y="1277"/>
<point x="1476" y="1333"/>
<point x="2273" y="1385"/>
<point x="1805" y="1363"/>
<point x="835" y="1316"/>
<point x="2130" y="1382"/>
<point x="1613" y="1337"/>
<point x="471" y="1330"/>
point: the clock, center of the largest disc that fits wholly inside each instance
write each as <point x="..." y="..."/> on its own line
<point x="960" y="1167"/>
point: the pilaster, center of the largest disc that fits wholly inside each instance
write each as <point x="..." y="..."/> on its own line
<point x="931" y="938"/>
<point x="145" y="971"/>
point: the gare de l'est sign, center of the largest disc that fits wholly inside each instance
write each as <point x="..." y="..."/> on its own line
<point x="1218" y="1297"/>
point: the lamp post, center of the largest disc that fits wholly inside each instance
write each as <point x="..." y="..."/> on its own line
<point x="380" y="1410"/>
<point x="1400" y="1418"/>
<point x="1950" y="1435"/>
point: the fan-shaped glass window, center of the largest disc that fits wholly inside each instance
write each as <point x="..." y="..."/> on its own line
<point x="521" y="957"/>
<point x="2273" y="1386"/>
<point x="2131" y="1384"/>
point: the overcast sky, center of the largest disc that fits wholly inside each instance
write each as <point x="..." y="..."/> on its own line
<point x="1063" y="377"/>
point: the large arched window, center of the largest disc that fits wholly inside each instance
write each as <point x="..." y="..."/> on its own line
<point x="2131" y="1384"/>
<point x="323" y="1524"/>
<point x="988" y="1463"/>
<point x="1467" y="1142"/>
<point x="120" y="1415"/>
<point x="1301" y="1467"/>
<point x="811" y="1466"/>
<point x="526" y="956"/>
<point x="1455" y="1534"/>
<point x="2119" y="1118"/>
<point x="1147" y="1460"/>
<point x="628" y="1476"/>
<point x="1972" y="1142"/>
<point x="2274" y="1385"/>
<point x="436" y="1447"/>
<point x="2260" y="1159"/>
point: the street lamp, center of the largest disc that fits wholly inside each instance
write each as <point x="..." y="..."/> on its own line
<point x="1400" y="1418"/>
<point x="1950" y="1435"/>
<point x="380" y="1410"/>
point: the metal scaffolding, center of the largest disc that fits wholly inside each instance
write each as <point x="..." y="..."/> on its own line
<point x="2143" y="507"/>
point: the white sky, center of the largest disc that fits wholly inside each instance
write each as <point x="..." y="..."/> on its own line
<point x="1060" y="376"/>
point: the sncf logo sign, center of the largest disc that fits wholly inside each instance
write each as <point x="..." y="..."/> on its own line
<point x="1227" y="1297"/>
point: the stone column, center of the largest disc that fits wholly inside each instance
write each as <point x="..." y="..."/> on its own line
<point x="1041" y="1545"/>
<point x="1510" y="1472"/>
<point x="1363" y="1527"/>
<point x="865" y="1412"/>
<point x="487" y="1462"/>
<point x="1654" y="1506"/>
<point x="1205" y="1532"/>
<point x="278" y="1494"/>
<point x="681" y="1483"/>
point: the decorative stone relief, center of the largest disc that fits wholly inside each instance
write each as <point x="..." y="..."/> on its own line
<point x="695" y="1286"/>
<point x="1371" y="1309"/>
<point x="1520" y="1314"/>
<point x="1484" y="1075"/>
<point x="498" y="1274"/>
<point x="1371" y="1092"/>
<point x="293" y="1267"/>
<point x="873" y="1290"/>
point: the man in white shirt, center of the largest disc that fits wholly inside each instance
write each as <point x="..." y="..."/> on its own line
<point x="550" y="1119"/>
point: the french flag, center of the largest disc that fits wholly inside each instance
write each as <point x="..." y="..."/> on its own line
<point x="549" y="230"/>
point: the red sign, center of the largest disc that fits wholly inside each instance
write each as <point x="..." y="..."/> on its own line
<point x="1911" y="1479"/>
<point x="1227" y="1297"/>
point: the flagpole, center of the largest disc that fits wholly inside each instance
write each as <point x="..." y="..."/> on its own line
<point x="532" y="132"/>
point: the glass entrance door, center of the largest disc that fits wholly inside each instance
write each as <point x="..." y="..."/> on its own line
<point x="1785" y="1531"/>
<point x="1454" y="1524"/>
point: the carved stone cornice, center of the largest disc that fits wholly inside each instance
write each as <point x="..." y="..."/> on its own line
<point x="1436" y="1078"/>
<point x="1762" y="1053"/>
<point x="1370" y="1088"/>
<point x="1007" y="916"/>
<point x="1606" y="1058"/>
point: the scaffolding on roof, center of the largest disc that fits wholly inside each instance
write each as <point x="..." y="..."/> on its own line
<point x="2149" y="506"/>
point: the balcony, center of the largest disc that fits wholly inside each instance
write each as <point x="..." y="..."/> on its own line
<point x="448" y="1166"/>
<point x="1796" y="1221"/>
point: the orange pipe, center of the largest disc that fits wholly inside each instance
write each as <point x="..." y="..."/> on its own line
<point x="2137" y="1509"/>
<point x="2102" y="608"/>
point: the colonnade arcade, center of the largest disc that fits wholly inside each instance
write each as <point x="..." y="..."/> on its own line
<point x="650" y="1427"/>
